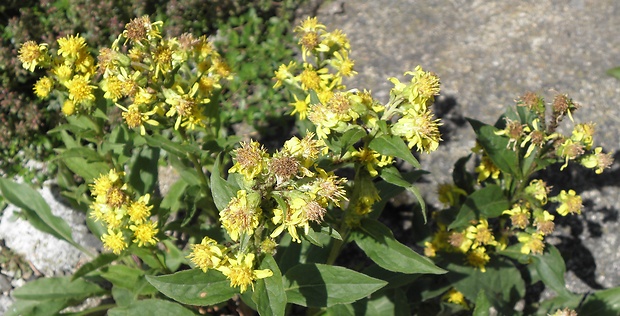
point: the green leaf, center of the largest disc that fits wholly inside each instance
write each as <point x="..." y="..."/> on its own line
<point x="319" y="285"/>
<point x="340" y="145"/>
<point x="222" y="190"/>
<point x="483" y="306"/>
<point x="36" y="307"/>
<point x="394" y="279"/>
<point x="101" y="261"/>
<point x="551" y="268"/>
<point x="394" y="146"/>
<point x="81" y="152"/>
<point x="144" y="170"/>
<point x="496" y="146"/>
<point x="151" y="307"/>
<point x="269" y="292"/>
<point x="55" y="288"/>
<point x="122" y="296"/>
<point x="388" y="303"/>
<point x="169" y="146"/>
<point x="501" y="282"/>
<point x="88" y="171"/>
<point x="388" y="190"/>
<point x="488" y="202"/>
<point x="123" y="276"/>
<point x="173" y="256"/>
<point x="602" y="303"/>
<point x="379" y="244"/>
<point x="614" y="72"/>
<point x="194" y="287"/>
<point x="172" y="200"/>
<point x="37" y="210"/>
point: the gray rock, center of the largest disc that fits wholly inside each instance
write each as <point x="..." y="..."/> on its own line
<point x="48" y="255"/>
<point x="487" y="54"/>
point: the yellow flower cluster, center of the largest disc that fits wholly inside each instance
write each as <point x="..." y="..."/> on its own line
<point x="281" y="192"/>
<point x="238" y="269"/>
<point x="127" y="220"/>
<point x="320" y="96"/>
<point x="158" y="80"/>
<point x="70" y="70"/>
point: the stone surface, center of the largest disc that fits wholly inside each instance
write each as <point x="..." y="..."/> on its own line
<point x="47" y="254"/>
<point x="487" y="54"/>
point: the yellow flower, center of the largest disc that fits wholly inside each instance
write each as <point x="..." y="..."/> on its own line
<point x="539" y="190"/>
<point x="68" y="108"/>
<point x="459" y="241"/>
<point x="145" y="233"/>
<point x="419" y="129"/>
<point x="429" y="249"/>
<point x="113" y="88"/>
<point x="114" y="241"/>
<point x="343" y="64"/>
<point x="448" y="194"/>
<point x="186" y="106"/>
<point x="241" y="273"/>
<point x="569" y="201"/>
<point x="241" y="215"/>
<point x="71" y="46"/>
<point x="283" y="74"/>
<point x="80" y="90"/>
<point x="135" y="118"/>
<point x="478" y="258"/>
<point x="43" y="87"/>
<point x="584" y="134"/>
<point x="371" y="159"/>
<point x="289" y="221"/>
<point x="420" y="91"/>
<point x="301" y="106"/>
<point x="32" y="54"/>
<point x="250" y="160"/>
<point x="480" y="234"/>
<point x="520" y="216"/>
<point x="598" y="159"/>
<point x="487" y="169"/>
<point x="139" y="211"/>
<point x="455" y="297"/>
<point x="208" y="254"/>
<point x="531" y="243"/>
<point x="63" y="73"/>
<point x="544" y="222"/>
<point x="306" y="149"/>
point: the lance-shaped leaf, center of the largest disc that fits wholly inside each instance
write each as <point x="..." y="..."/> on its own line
<point x="151" y="307"/>
<point x="488" y="202"/>
<point x="57" y="288"/>
<point x="269" y="294"/>
<point x="551" y="268"/>
<point x="194" y="287"/>
<point x="391" y="145"/>
<point x="319" y="285"/>
<point x="222" y="190"/>
<point x="37" y="210"/>
<point x="378" y="242"/>
<point x="496" y="147"/>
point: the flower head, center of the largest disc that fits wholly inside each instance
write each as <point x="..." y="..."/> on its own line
<point x="145" y="233"/>
<point x="241" y="215"/>
<point x="250" y="160"/>
<point x="208" y="254"/>
<point x="32" y="54"/>
<point x="43" y="87"/>
<point x="114" y="241"/>
<point x="240" y="271"/>
<point x="569" y="201"/>
<point x="71" y="46"/>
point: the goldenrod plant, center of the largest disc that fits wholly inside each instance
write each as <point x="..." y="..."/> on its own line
<point x="246" y="229"/>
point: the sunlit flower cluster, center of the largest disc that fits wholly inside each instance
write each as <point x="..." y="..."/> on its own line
<point x="153" y="80"/>
<point x="127" y="220"/>
<point x="280" y="193"/>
